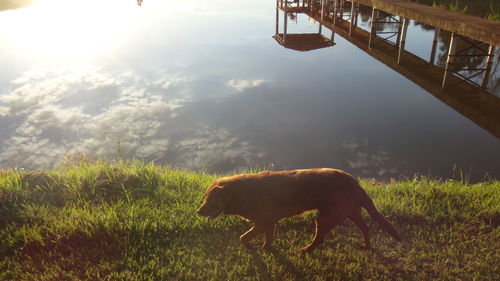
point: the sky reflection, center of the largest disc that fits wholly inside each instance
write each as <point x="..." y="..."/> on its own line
<point x="205" y="86"/>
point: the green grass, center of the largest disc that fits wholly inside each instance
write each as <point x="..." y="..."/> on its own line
<point x="137" y="221"/>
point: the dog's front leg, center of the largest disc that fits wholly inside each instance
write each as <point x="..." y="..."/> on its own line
<point x="251" y="234"/>
<point x="254" y="232"/>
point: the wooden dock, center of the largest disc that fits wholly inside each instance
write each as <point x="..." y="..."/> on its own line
<point x="473" y="27"/>
<point x="470" y="100"/>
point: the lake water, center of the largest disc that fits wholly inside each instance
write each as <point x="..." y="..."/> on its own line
<point x="203" y="85"/>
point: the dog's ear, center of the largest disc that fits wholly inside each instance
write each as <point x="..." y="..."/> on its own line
<point x="222" y="196"/>
<point x="215" y="191"/>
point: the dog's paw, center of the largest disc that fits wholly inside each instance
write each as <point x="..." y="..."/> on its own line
<point x="265" y="247"/>
<point x="249" y="246"/>
<point x="365" y="247"/>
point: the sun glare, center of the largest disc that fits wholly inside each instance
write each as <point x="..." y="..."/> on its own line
<point x="71" y="29"/>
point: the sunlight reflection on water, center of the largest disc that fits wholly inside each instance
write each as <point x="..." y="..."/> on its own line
<point x="204" y="86"/>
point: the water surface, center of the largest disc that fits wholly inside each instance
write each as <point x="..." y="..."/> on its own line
<point x="203" y="85"/>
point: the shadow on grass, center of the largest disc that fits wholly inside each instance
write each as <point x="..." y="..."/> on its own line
<point x="283" y="260"/>
<point x="261" y="265"/>
<point x="74" y="254"/>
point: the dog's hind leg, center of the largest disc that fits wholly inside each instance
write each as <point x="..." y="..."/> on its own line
<point x="363" y="228"/>
<point x="324" y="223"/>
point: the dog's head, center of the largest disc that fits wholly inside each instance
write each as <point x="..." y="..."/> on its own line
<point x="215" y="202"/>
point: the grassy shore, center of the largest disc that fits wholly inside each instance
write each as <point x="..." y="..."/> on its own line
<point x="137" y="221"/>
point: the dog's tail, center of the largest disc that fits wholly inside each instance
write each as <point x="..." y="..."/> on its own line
<point x="383" y="222"/>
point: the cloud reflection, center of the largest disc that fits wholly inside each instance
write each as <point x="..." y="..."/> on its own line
<point x="242" y="85"/>
<point x="214" y="148"/>
<point x="84" y="110"/>
<point x="367" y="159"/>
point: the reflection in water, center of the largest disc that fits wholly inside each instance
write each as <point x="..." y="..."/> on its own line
<point x="63" y="112"/>
<point x="299" y="42"/>
<point x="56" y="122"/>
<point x="14" y="4"/>
<point x="471" y="56"/>
<point x="303" y="42"/>
<point x="489" y="9"/>
<point x="163" y="119"/>
<point x="471" y="60"/>
<point x="60" y="30"/>
<point x="222" y="95"/>
<point x="456" y="83"/>
<point x="243" y="85"/>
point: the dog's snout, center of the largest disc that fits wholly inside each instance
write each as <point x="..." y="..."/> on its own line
<point x="201" y="211"/>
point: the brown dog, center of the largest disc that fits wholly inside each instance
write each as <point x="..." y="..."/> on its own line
<point x="266" y="197"/>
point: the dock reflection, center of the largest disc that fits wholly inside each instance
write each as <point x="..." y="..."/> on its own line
<point x="461" y="77"/>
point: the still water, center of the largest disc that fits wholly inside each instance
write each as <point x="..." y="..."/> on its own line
<point x="203" y="85"/>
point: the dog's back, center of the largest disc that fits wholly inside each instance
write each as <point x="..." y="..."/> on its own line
<point x="266" y="197"/>
<point x="289" y="193"/>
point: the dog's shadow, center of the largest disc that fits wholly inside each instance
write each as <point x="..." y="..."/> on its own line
<point x="298" y="274"/>
<point x="280" y="259"/>
<point x="264" y="271"/>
